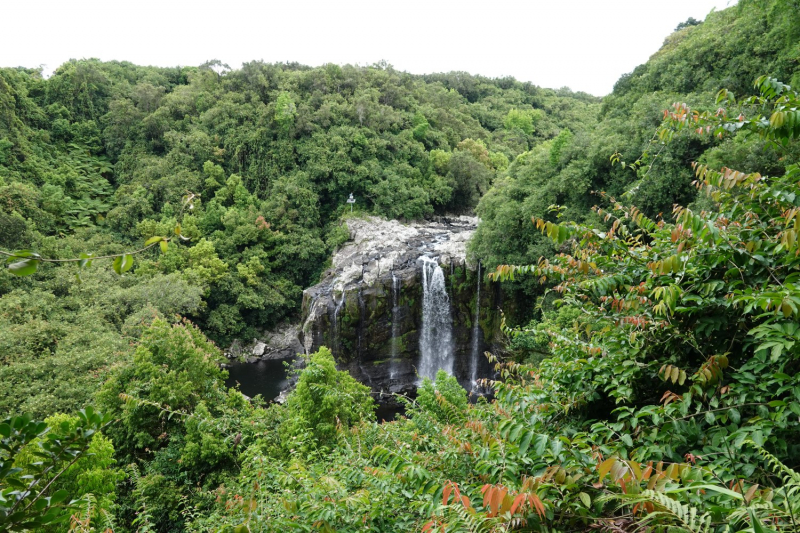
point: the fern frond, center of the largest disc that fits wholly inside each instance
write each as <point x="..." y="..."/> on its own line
<point x="668" y="511"/>
<point x="787" y="475"/>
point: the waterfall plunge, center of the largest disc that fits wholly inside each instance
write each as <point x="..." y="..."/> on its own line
<point x="337" y="327"/>
<point x="436" y="340"/>
<point x="476" y="340"/>
<point x="395" y="323"/>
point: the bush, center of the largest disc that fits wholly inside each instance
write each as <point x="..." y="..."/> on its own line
<point x="324" y="399"/>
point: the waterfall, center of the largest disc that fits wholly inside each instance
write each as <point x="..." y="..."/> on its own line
<point x="314" y="311"/>
<point x="395" y="322"/>
<point x="361" y="318"/>
<point x="337" y="327"/>
<point x="476" y="331"/>
<point x="436" y="339"/>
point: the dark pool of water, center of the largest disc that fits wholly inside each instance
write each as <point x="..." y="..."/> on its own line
<point x="387" y="413"/>
<point x="267" y="378"/>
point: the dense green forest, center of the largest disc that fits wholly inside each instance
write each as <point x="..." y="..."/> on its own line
<point x="651" y="374"/>
<point x="255" y="165"/>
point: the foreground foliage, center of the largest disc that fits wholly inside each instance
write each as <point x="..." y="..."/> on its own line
<point x="730" y="49"/>
<point x="44" y="489"/>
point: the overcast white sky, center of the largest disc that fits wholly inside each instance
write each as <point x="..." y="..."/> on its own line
<point x="582" y="44"/>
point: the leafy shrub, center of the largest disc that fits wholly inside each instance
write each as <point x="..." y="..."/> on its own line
<point x="323" y="399"/>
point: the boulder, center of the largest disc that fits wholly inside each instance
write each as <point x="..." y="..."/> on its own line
<point x="281" y="342"/>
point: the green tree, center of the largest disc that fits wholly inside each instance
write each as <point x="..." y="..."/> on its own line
<point x="469" y="179"/>
<point x="92" y="476"/>
<point x="323" y="399"/>
<point x="443" y="399"/>
<point x="285" y="111"/>
<point x="174" y="367"/>
<point x="522" y="119"/>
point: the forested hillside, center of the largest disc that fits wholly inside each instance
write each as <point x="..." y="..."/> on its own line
<point x="255" y="165"/>
<point x="650" y="239"/>
<point x="729" y="50"/>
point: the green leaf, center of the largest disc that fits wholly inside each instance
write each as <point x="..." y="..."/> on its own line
<point x="85" y="260"/>
<point x="41" y="504"/>
<point x="715" y="488"/>
<point x="515" y="433"/>
<point x="24" y="267"/>
<point x="163" y="245"/>
<point x="587" y="501"/>
<point x="22" y="254"/>
<point x="540" y="445"/>
<point x="758" y="527"/>
<point x="526" y="442"/>
<point x="556" y="446"/>
<point x="710" y="418"/>
<point x="58" y="497"/>
<point x="153" y="240"/>
<point x="123" y="263"/>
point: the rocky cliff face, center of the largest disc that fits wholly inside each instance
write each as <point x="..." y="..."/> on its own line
<point x="281" y="342"/>
<point x="368" y="306"/>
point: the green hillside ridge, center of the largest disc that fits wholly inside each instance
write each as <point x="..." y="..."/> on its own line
<point x="650" y="377"/>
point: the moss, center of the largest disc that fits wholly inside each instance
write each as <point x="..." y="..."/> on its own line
<point x="402" y="340"/>
<point x="459" y="280"/>
<point x="488" y="323"/>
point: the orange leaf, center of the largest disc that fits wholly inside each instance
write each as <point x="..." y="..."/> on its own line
<point x="537" y="504"/>
<point x="517" y="502"/>
<point x="604" y="467"/>
<point x="465" y="502"/>
<point x="497" y="500"/>
<point x="487" y="490"/>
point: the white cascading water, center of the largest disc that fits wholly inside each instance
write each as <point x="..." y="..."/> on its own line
<point x="395" y="323"/>
<point x="337" y="328"/>
<point x="476" y="330"/>
<point x="361" y="318"/>
<point x="436" y="339"/>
